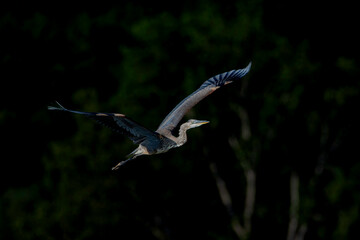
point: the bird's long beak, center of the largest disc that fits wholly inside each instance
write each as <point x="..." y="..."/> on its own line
<point x="201" y="122"/>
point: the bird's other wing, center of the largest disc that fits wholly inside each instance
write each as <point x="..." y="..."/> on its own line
<point x="208" y="87"/>
<point x="117" y="122"/>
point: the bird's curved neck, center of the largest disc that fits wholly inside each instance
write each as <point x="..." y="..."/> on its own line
<point x="182" y="138"/>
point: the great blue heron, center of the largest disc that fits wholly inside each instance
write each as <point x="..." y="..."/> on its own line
<point x="163" y="138"/>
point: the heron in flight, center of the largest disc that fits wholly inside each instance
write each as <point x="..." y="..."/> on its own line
<point x="164" y="138"/>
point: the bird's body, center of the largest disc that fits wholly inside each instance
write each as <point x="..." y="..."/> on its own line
<point x="164" y="138"/>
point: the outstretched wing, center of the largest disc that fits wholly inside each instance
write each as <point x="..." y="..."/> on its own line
<point x="117" y="122"/>
<point x="208" y="87"/>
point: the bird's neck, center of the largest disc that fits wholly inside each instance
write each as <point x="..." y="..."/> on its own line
<point x="182" y="138"/>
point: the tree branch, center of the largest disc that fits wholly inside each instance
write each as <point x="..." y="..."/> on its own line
<point x="294" y="231"/>
<point x="227" y="202"/>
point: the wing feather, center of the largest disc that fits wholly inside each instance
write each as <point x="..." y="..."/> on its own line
<point x="208" y="87"/>
<point x="116" y="122"/>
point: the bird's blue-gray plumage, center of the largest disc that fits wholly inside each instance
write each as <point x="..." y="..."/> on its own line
<point x="163" y="139"/>
<point x="227" y="77"/>
<point x="208" y="87"/>
<point x="118" y="123"/>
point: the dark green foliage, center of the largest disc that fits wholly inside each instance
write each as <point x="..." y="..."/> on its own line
<point x="293" y="117"/>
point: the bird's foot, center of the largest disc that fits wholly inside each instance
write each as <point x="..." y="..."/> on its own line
<point x="120" y="164"/>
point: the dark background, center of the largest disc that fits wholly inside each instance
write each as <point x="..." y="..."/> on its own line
<point x="285" y="137"/>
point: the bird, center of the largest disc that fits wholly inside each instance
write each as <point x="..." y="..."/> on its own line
<point x="164" y="138"/>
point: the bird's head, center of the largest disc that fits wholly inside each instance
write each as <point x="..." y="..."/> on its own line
<point x="192" y="123"/>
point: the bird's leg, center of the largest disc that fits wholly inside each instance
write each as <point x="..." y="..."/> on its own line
<point x="122" y="163"/>
<point x="137" y="152"/>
